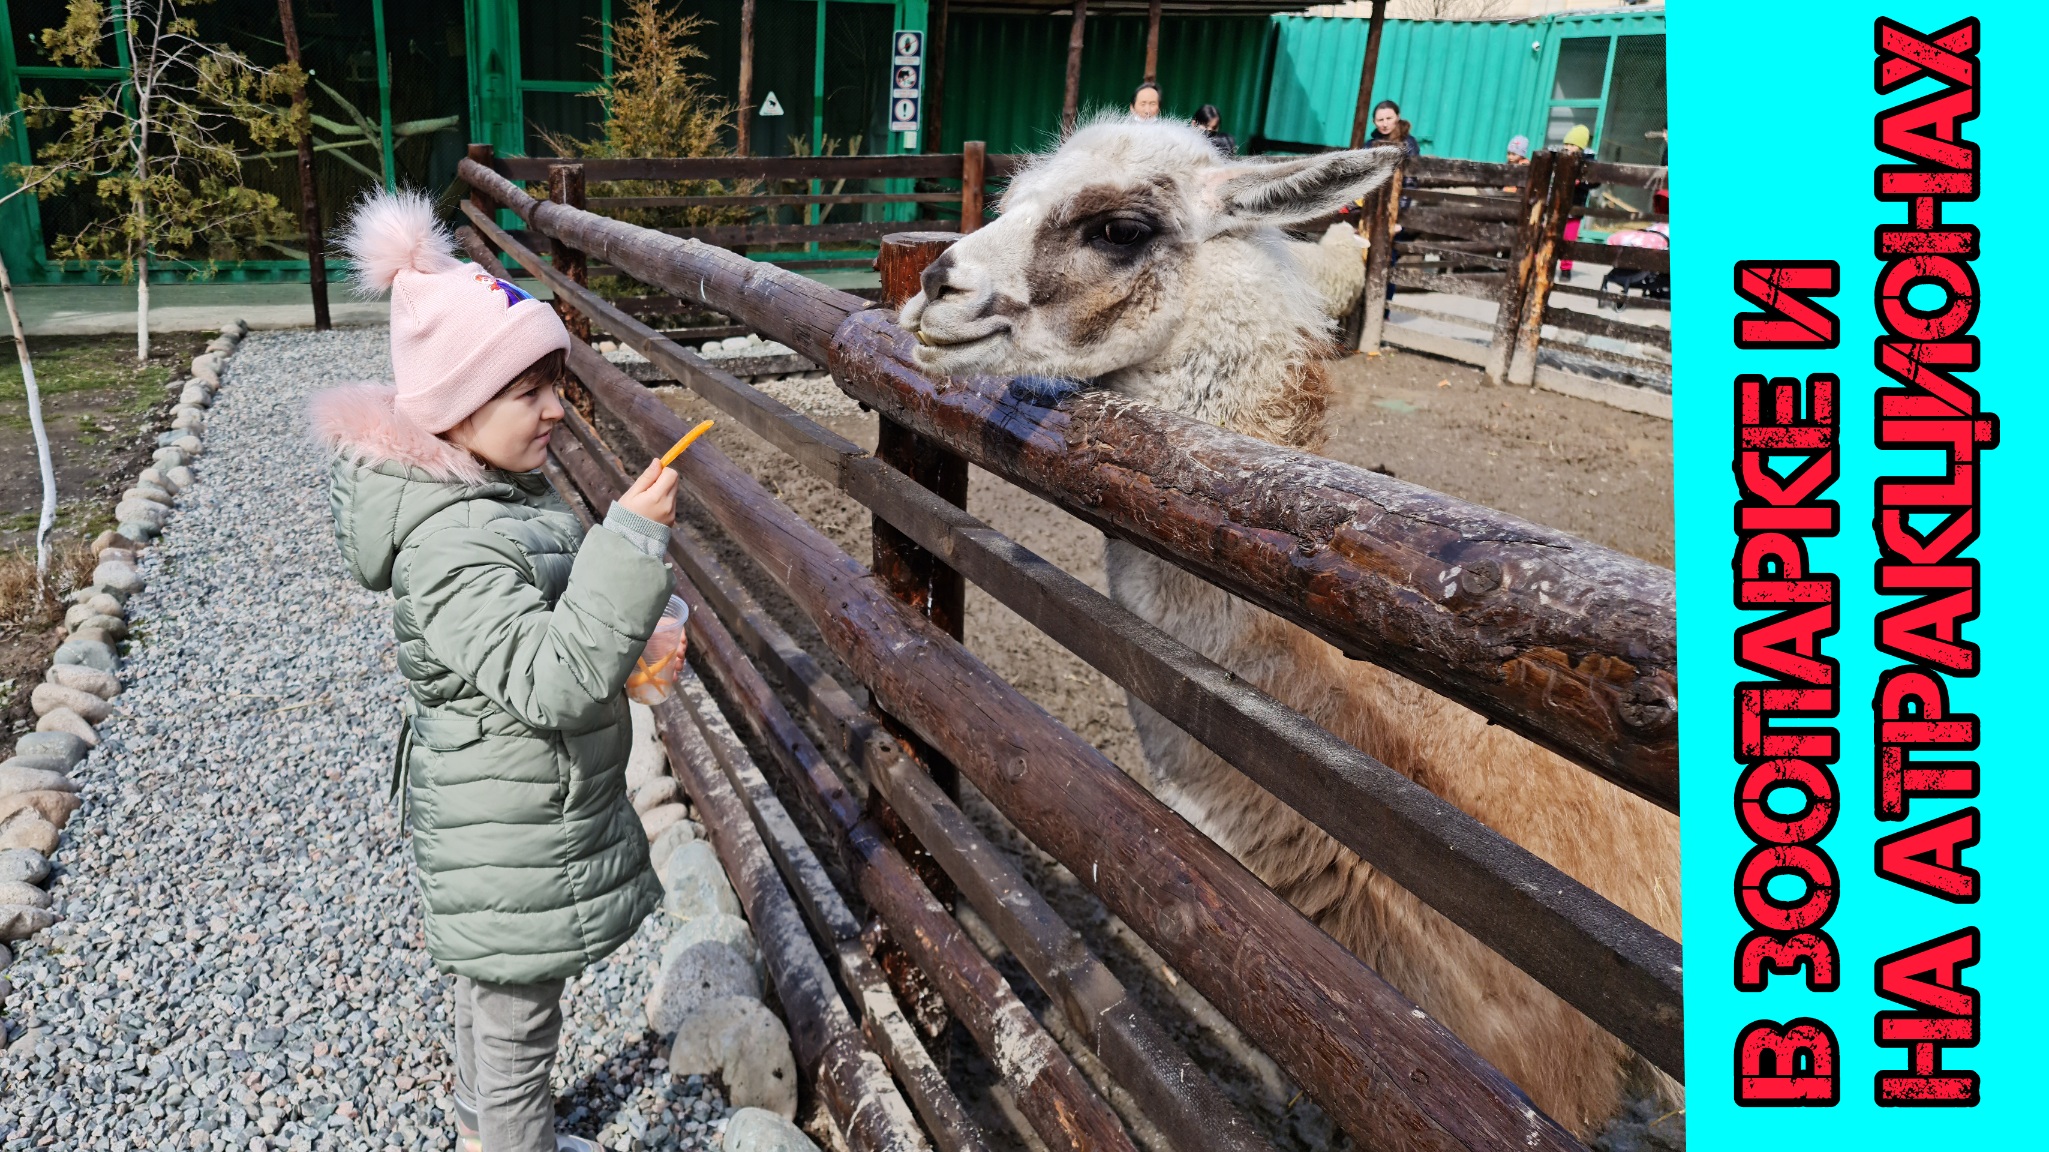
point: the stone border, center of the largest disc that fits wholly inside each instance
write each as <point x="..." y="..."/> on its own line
<point x="37" y="795"/>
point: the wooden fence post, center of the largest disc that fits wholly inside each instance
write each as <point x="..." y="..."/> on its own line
<point x="1522" y="364"/>
<point x="1070" y="101"/>
<point x="1515" y="287"/>
<point x="1383" y="212"/>
<point x="974" y="168"/>
<point x="566" y="186"/>
<point x="743" y="112"/>
<point x="922" y="580"/>
<point x="487" y="155"/>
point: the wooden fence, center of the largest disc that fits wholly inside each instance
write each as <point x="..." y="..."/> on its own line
<point x="767" y="190"/>
<point x="1586" y="666"/>
<point x="1458" y="228"/>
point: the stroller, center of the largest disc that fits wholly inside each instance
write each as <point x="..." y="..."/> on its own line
<point x="1653" y="285"/>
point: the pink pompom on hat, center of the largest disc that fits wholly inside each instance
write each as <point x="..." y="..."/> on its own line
<point x="459" y="333"/>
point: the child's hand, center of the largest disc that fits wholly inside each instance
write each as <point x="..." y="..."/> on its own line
<point x="653" y="495"/>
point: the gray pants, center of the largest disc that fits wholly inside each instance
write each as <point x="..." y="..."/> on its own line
<point x="505" y="1037"/>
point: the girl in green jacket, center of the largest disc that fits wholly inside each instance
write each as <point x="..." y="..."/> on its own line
<point x="516" y="631"/>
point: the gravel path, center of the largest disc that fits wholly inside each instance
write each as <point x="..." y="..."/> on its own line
<point x="240" y="962"/>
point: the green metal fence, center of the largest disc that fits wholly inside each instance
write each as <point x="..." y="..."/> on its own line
<point x="429" y="76"/>
<point x="1006" y="75"/>
<point x="1469" y="86"/>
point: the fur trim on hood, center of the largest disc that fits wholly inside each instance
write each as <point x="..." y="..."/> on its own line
<point x="360" y="422"/>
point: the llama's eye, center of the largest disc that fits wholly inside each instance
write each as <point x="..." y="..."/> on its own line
<point x="1125" y="233"/>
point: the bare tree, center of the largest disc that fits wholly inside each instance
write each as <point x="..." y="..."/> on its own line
<point x="45" y="469"/>
<point x="1448" y="9"/>
<point x="160" y="147"/>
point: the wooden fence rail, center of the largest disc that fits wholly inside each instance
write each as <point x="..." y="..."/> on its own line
<point x="1567" y="643"/>
<point x="1613" y="967"/>
<point x="1610" y="965"/>
<point x="1496" y="232"/>
<point x="1176" y="1096"/>
<point x="1388" y="1073"/>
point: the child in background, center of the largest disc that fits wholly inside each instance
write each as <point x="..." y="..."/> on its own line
<point x="516" y="631"/>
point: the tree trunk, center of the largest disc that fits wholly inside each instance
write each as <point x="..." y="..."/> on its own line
<point x="309" y="196"/>
<point x="142" y="307"/>
<point x="35" y="423"/>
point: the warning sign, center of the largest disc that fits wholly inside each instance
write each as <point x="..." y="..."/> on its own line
<point x="907" y="79"/>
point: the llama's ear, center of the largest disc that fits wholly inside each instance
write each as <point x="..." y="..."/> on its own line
<point x="1292" y="191"/>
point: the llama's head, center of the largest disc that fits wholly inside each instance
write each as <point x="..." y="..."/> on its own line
<point x="1133" y="249"/>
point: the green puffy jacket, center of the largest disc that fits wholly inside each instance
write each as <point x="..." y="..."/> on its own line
<point x="516" y="631"/>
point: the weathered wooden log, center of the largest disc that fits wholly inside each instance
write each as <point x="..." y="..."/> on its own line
<point x="1479" y="173"/>
<point x="565" y="186"/>
<point x="1613" y="967"/>
<point x="1383" y="209"/>
<point x="1061" y="1106"/>
<point x="864" y="1102"/>
<point x="1391" y="1075"/>
<point x="1515" y="288"/>
<point x="796" y="200"/>
<point x="1617" y="256"/>
<point x="796" y="311"/>
<point x="930" y="165"/>
<point x="917" y="577"/>
<point x="883" y="1022"/>
<point x="1576" y="321"/>
<point x="1629" y="175"/>
<point x="829" y="1050"/>
<point x="974" y="177"/>
<point x="736" y="235"/>
<point x="1176" y="1096"/>
<point x="1550" y="234"/>
<point x="1439" y="222"/>
<point x="1568" y="643"/>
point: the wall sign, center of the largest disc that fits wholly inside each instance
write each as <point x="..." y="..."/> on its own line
<point x="907" y="79"/>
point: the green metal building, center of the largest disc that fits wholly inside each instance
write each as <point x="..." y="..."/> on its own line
<point x="430" y="76"/>
<point x="1467" y="87"/>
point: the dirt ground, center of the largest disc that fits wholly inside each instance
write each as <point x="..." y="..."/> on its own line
<point x="1571" y="464"/>
<point x="102" y="411"/>
<point x="1568" y="463"/>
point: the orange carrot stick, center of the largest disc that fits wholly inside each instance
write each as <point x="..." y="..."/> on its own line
<point x="685" y="442"/>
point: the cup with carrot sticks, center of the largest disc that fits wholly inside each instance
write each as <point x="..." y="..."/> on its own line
<point x="654" y="674"/>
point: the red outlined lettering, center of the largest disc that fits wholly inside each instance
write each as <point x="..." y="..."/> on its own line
<point x="1914" y="717"/>
<point x="1786" y="290"/>
<point x="1787" y="1065"/>
<point x="1944" y="1013"/>
<point x="1930" y="857"/>
<point x="1923" y="524"/>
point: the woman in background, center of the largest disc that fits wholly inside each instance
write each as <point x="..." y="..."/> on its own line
<point x="1211" y="122"/>
<point x="1145" y="103"/>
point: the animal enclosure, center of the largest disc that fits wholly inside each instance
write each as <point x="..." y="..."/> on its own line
<point x="1498" y="233"/>
<point x="1562" y="642"/>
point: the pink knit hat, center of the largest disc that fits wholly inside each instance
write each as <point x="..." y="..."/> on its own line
<point x="459" y="333"/>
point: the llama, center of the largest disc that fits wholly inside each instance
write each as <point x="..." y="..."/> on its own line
<point x="1137" y="259"/>
<point x="1335" y="265"/>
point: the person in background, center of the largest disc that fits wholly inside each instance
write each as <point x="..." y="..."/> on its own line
<point x="1145" y="103"/>
<point x="1211" y="122"/>
<point x="1518" y="157"/>
<point x="1576" y="141"/>
<point x="1391" y="131"/>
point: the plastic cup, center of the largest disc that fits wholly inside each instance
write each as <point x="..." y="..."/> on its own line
<point x="653" y="679"/>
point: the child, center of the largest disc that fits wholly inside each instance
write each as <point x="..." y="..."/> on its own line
<point x="516" y="632"/>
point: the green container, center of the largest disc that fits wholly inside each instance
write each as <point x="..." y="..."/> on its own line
<point x="1469" y="86"/>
